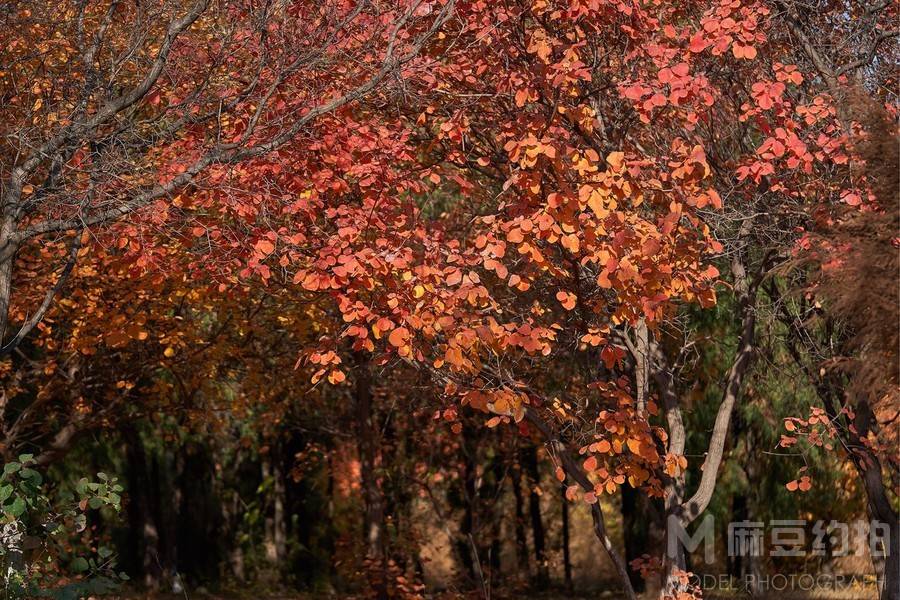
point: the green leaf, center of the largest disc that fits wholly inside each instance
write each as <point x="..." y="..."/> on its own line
<point x="17" y="507"/>
<point x="11" y="467"/>
<point x="79" y="565"/>
<point x="5" y="492"/>
<point x="32" y="475"/>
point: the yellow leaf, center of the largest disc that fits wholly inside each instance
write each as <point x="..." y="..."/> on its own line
<point x="597" y="203"/>
<point x="634" y="445"/>
<point x="615" y="159"/>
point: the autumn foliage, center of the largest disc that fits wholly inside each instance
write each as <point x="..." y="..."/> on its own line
<point x="421" y="250"/>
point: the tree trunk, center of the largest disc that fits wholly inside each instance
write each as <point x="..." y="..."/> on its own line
<point x="521" y="539"/>
<point x="367" y="442"/>
<point x="468" y="553"/>
<point x="567" y="558"/>
<point x="636" y="522"/>
<point x="200" y="521"/>
<point x="7" y="257"/>
<point x="6" y="267"/>
<point x="879" y="505"/>
<point x="143" y="532"/>
<point x="529" y="461"/>
<point x="274" y="523"/>
<point x="678" y="510"/>
<point x="488" y="496"/>
<point x="164" y="502"/>
<point x="574" y="470"/>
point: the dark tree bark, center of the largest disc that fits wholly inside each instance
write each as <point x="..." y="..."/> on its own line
<point x="521" y="540"/>
<point x="567" y="557"/>
<point x="200" y="520"/>
<point x="832" y="393"/>
<point x="367" y="444"/>
<point x="142" y="527"/>
<point x="880" y="509"/>
<point x="530" y="463"/>
<point x="488" y="497"/>
<point x="465" y="546"/>
<point x="164" y="501"/>
<point x="636" y="525"/>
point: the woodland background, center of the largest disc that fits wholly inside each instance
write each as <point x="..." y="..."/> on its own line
<point x="442" y="298"/>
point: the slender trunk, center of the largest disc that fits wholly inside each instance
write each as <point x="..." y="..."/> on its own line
<point x="567" y="557"/>
<point x="274" y="523"/>
<point x="228" y="497"/>
<point x="164" y="502"/>
<point x="678" y="510"/>
<point x="529" y="461"/>
<point x="521" y="539"/>
<point x="231" y="512"/>
<point x="880" y="509"/>
<point x="488" y="495"/>
<point x="467" y="550"/>
<point x="574" y="470"/>
<point x="6" y="267"/>
<point x="640" y="351"/>
<point x="199" y="525"/>
<point x="7" y="260"/>
<point x="143" y="532"/>
<point x="636" y="522"/>
<point x="373" y="518"/>
<point x="329" y="544"/>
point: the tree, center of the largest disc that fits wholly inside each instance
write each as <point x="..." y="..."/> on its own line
<point x="528" y="203"/>
<point x="117" y="108"/>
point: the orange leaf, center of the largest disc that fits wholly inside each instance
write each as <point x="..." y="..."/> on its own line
<point x="567" y="299"/>
<point x="265" y="247"/>
<point x="399" y="337"/>
<point x="521" y="98"/>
